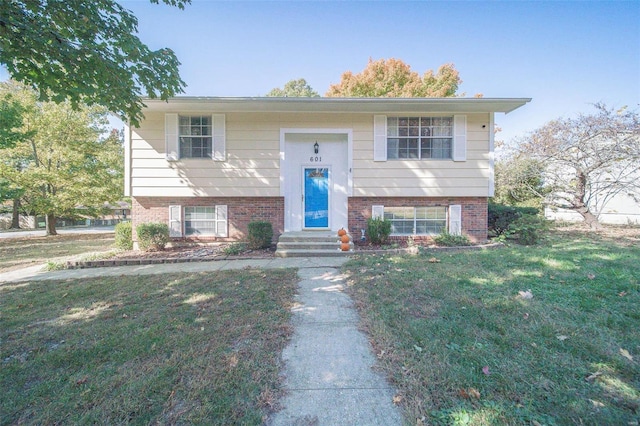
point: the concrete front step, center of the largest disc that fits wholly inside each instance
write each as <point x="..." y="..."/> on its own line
<point x="310" y="244"/>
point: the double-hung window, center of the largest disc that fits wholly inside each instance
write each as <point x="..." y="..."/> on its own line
<point x="419" y="137"/>
<point x="196" y="136"/>
<point x="416" y="220"/>
<point x="204" y="221"/>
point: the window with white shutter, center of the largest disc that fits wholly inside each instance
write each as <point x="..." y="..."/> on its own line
<point x="175" y="221"/>
<point x="459" y="138"/>
<point x="379" y="138"/>
<point x="455" y="219"/>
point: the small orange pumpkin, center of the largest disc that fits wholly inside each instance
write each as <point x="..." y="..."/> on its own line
<point x="341" y="232"/>
<point x="345" y="246"/>
<point x="344" y="238"/>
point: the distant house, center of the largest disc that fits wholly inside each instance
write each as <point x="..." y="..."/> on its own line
<point x="209" y="166"/>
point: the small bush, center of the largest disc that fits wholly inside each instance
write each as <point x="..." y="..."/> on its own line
<point x="152" y="236"/>
<point x="378" y="230"/>
<point x="234" y="249"/>
<point x="526" y="229"/>
<point x="500" y="216"/>
<point x="450" y="240"/>
<point x="260" y="235"/>
<point x="124" y="240"/>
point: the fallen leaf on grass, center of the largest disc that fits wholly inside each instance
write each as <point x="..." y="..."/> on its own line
<point x="562" y="337"/>
<point x="525" y="295"/>
<point x="622" y="293"/>
<point x="473" y="393"/>
<point x="82" y="381"/>
<point x="417" y="348"/>
<point x="434" y="260"/>
<point x="591" y="276"/>
<point x="380" y="355"/>
<point x="593" y="376"/>
<point x="469" y="393"/>
<point x="485" y="370"/>
<point x="397" y="399"/>
<point x="625" y="353"/>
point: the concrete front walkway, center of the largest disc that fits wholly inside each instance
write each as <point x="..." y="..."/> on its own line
<point x="328" y="363"/>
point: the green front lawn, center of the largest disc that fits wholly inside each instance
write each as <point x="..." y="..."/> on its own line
<point x="16" y="253"/>
<point x="191" y="348"/>
<point x="464" y="342"/>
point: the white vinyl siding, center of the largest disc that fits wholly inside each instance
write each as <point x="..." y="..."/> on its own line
<point x="253" y="160"/>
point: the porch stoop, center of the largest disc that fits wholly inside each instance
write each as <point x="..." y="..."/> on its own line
<point x="310" y="244"/>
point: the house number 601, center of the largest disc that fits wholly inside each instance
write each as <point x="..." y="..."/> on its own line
<point x="315" y="159"/>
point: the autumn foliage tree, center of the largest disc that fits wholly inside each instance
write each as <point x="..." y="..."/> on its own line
<point x="392" y="78"/>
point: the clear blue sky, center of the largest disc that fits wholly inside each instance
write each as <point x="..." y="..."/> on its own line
<point x="564" y="55"/>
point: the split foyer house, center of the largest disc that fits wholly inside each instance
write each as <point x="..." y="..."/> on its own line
<point x="209" y="166"/>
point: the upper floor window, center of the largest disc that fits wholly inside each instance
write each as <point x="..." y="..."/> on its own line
<point x="196" y="137"/>
<point x="419" y="137"/>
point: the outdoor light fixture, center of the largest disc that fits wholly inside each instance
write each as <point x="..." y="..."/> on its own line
<point x="316" y="147"/>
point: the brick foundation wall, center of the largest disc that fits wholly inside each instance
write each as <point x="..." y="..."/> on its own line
<point x="240" y="212"/>
<point x="474" y="212"/>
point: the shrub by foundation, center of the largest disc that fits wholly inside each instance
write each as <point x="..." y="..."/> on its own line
<point x="123" y="238"/>
<point x="152" y="236"/>
<point x="260" y="235"/>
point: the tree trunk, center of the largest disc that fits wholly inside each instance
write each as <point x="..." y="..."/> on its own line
<point x="50" y="220"/>
<point x="589" y="218"/>
<point x="15" y="218"/>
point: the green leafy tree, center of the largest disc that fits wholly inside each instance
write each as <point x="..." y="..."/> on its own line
<point x="294" y="89"/>
<point x="86" y="52"/>
<point x="10" y="121"/>
<point x="587" y="160"/>
<point x="66" y="165"/>
<point x="519" y="182"/>
<point x="392" y="78"/>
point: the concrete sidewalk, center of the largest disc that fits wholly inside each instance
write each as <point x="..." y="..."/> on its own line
<point x="328" y="363"/>
<point x="35" y="273"/>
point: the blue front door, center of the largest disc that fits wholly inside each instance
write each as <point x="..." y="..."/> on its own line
<point x="316" y="198"/>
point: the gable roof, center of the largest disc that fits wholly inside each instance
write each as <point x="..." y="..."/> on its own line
<point x="336" y="105"/>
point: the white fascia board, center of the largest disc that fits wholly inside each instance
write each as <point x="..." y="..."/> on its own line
<point x="337" y="105"/>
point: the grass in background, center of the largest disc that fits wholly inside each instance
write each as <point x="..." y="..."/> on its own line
<point x="22" y="252"/>
<point x="464" y="342"/>
<point x="198" y="348"/>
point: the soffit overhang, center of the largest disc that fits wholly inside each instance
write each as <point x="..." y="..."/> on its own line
<point x="184" y="104"/>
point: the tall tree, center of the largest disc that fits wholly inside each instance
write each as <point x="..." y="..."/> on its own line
<point x="66" y="163"/>
<point x="294" y="89"/>
<point x="87" y="52"/>
<point x="588" y="160"/>
<point x="10" y="121"/>
<point x="392" y="78"/>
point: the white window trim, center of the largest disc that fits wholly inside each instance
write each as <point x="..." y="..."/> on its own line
<point x="415" y="220"/>
<point x="218" y="136"/>
<point x="458" y="139"/>
<point x="220" y="218"/>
